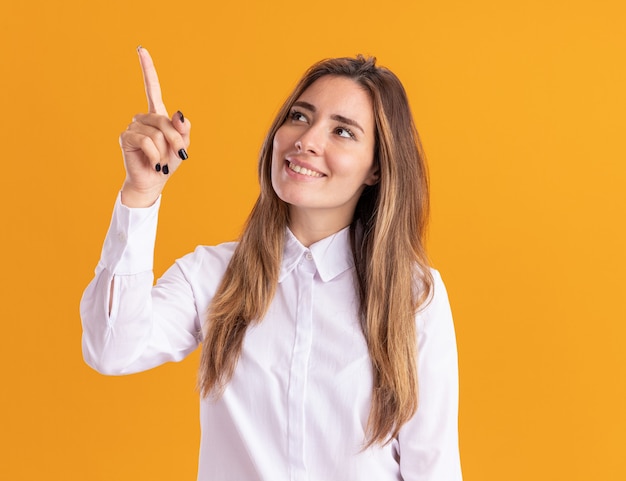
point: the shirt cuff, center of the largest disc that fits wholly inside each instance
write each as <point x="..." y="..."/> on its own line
<point x="129" y="244"/>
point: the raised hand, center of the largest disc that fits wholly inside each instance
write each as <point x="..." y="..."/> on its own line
<point x="153" y="145"/>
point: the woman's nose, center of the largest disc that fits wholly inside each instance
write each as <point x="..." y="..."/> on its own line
<point x="311" y="141"/>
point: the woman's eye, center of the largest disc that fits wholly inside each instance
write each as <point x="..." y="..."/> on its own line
<point x="298" y="116"/>
<point x="342" y="132"/>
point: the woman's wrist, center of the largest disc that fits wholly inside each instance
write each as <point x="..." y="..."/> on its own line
<point x="136" y="198"/>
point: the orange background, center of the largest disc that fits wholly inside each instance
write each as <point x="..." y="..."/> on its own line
<point x="520" y="106"/>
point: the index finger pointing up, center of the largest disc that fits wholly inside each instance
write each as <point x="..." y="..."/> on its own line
<point x="151" y="83"/>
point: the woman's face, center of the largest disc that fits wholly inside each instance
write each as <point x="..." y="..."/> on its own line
<point x="323" y="155"/>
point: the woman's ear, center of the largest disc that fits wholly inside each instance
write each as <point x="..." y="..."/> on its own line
<point x="374" y="176"/>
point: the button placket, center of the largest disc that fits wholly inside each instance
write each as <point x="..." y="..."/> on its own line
<point x="298" y="378"/>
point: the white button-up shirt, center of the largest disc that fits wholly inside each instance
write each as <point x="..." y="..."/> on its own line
<point x="297" y="405"/>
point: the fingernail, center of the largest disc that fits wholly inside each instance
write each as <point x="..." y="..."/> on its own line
<point x="166" y="169"/>
<point x="138" y="47"/>
<point x="157" y="167"/>
<point x="182" y="153"/>
<point x="182" y="117"/>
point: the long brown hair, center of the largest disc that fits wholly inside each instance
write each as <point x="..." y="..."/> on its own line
<point x="387" y="239"/>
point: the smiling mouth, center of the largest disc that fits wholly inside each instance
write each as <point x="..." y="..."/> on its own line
<point x="304" y="171"/>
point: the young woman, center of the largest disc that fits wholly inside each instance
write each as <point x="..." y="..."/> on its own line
<point x="328" y="348"/>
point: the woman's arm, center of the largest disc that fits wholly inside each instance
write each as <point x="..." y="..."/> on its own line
<point x="429" y="444"/>
<point x="128" y="325"/>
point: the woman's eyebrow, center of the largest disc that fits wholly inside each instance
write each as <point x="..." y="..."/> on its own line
<point x="346" y="120"/>
<point x="337" y="117"/>
<point x="305" y="105"/>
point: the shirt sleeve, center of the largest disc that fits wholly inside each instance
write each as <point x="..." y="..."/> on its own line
<point x="428" y="443"/>
<point x="147" y="325"/>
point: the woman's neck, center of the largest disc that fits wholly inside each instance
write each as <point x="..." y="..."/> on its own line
<point x="311" y="226"/>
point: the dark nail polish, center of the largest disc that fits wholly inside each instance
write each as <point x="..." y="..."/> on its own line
<point x="182" y="117"/>
<point x="157" y="167"/>
<point x="166" y="169"/>
<point x="182" y="153"/>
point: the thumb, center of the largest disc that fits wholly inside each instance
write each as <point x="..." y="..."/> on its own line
<point x="182" y="125"/>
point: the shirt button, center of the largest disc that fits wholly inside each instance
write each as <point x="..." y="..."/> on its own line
<point x="309" y="256"/>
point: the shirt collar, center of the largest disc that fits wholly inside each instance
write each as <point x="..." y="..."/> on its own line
<point x="332" y="255"/>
